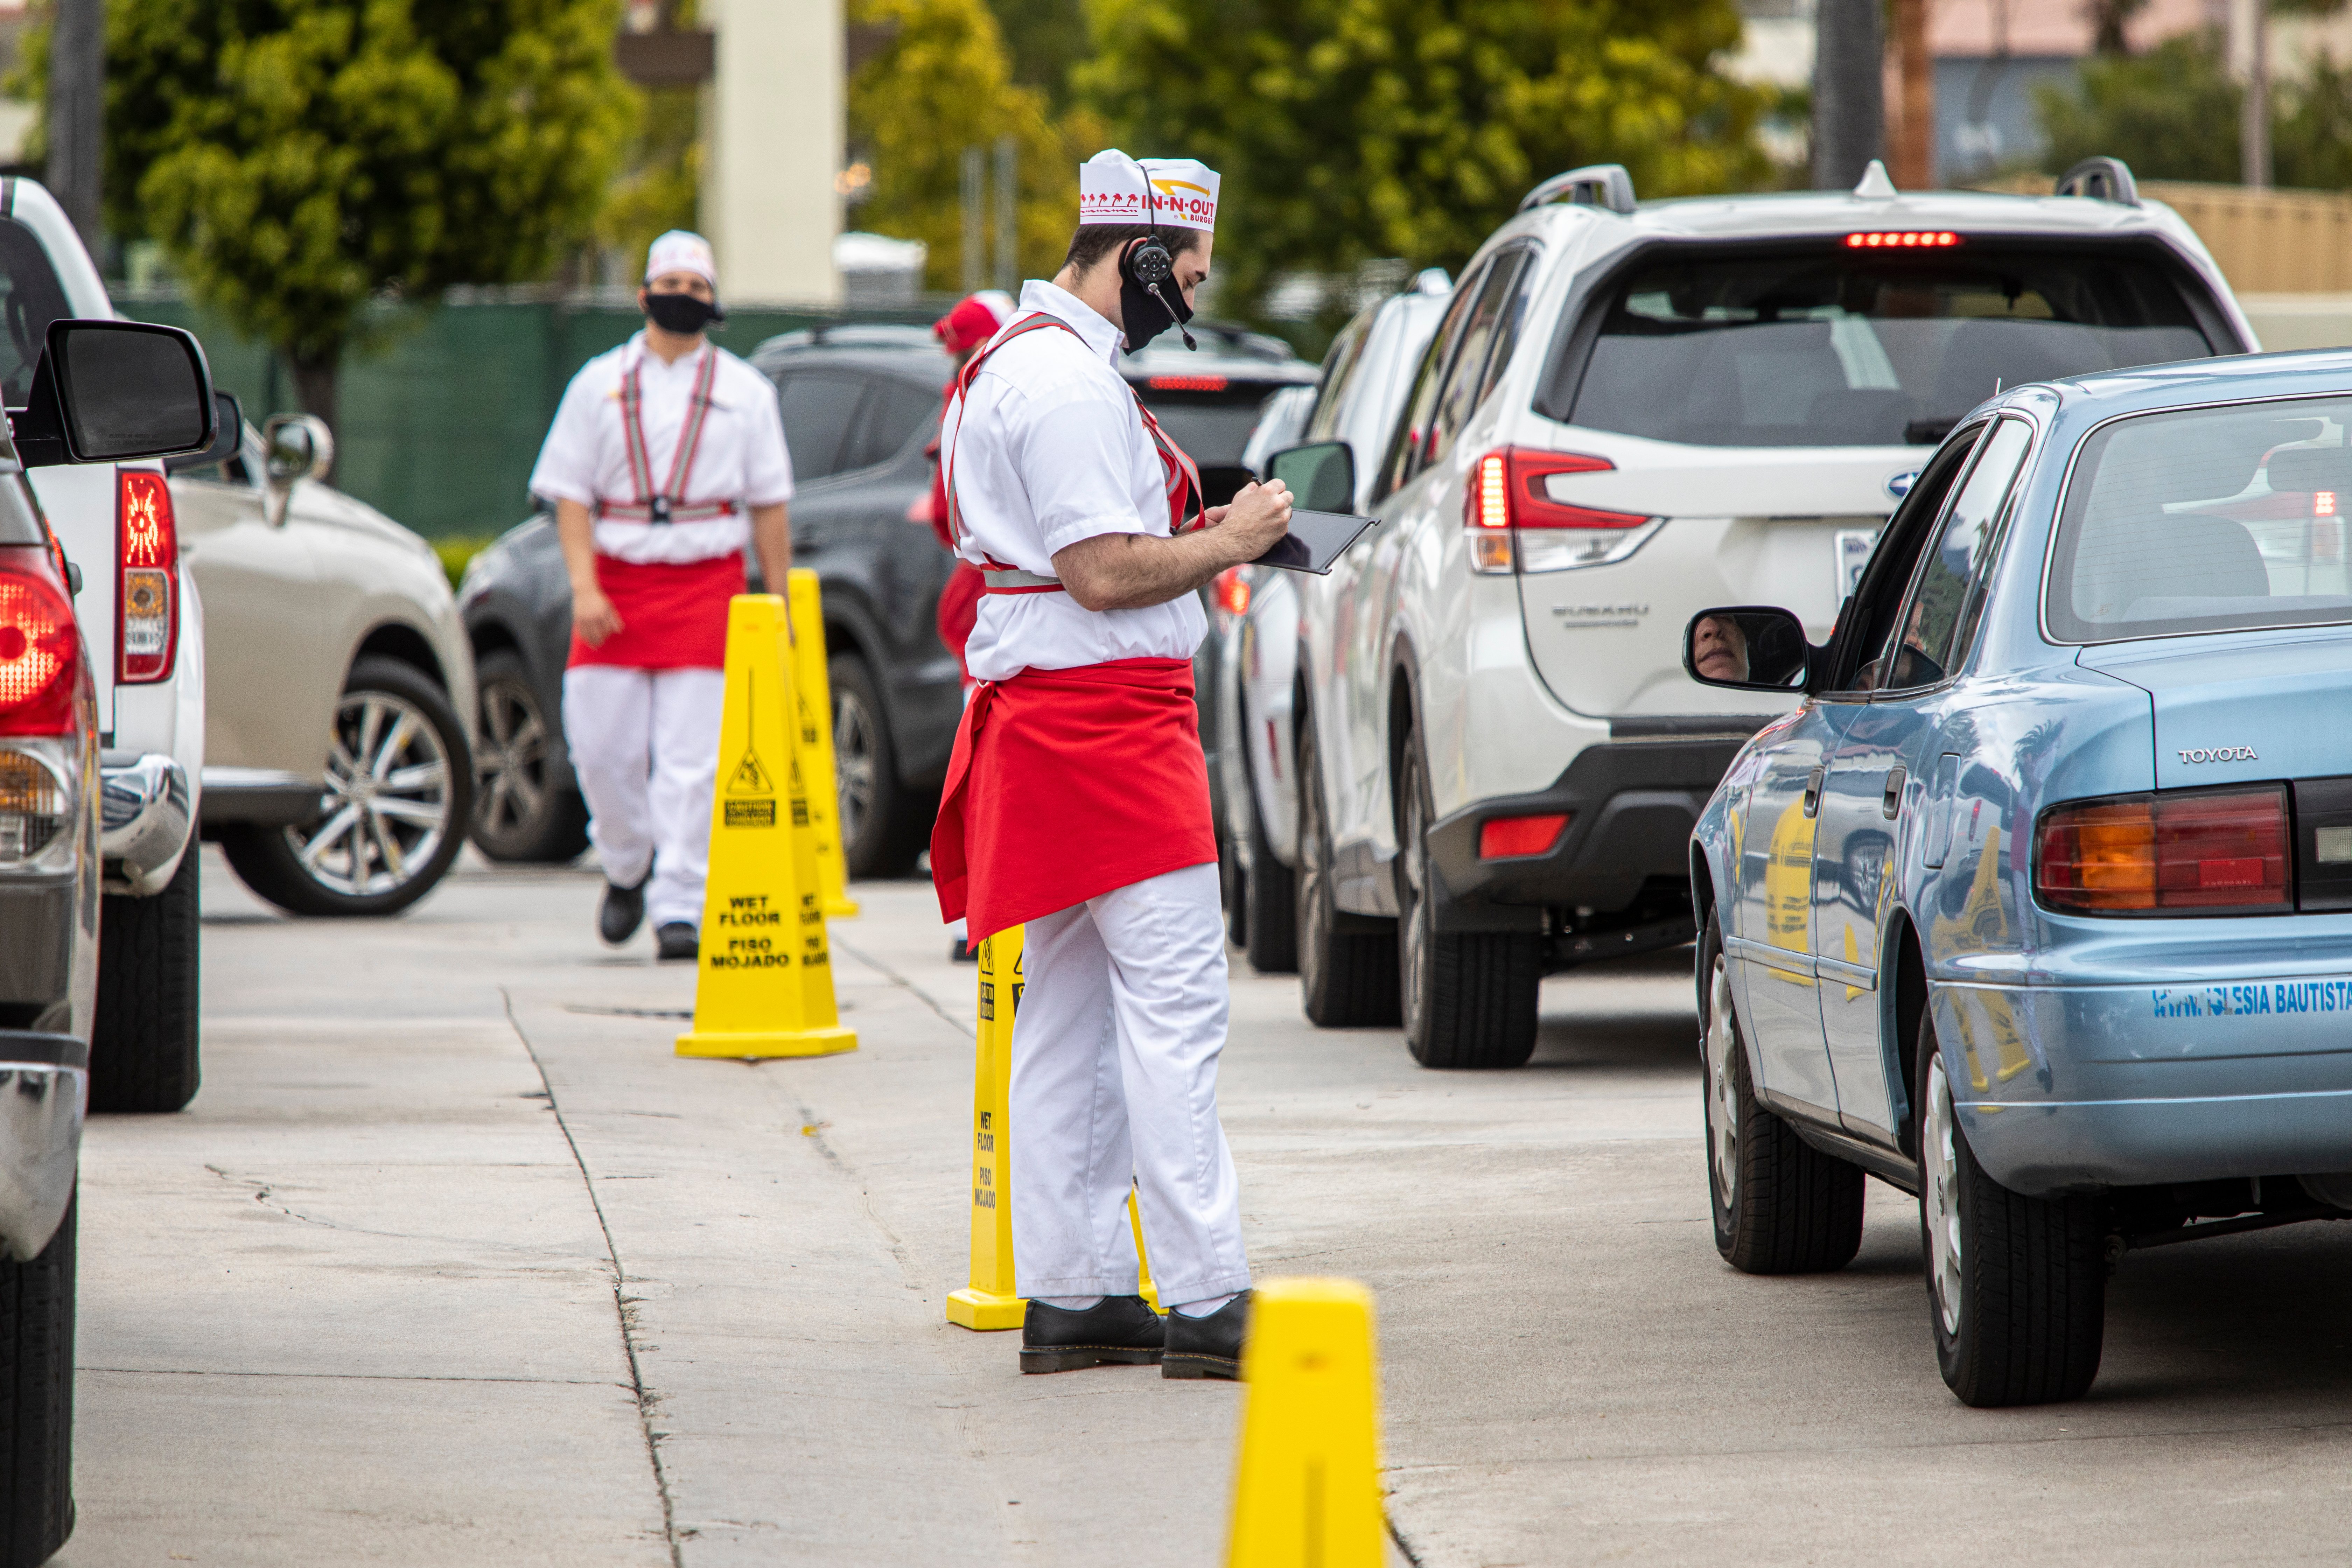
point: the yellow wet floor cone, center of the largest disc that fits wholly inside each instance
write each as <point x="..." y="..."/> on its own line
<point x="1306" y="1493"/>
<point x="763" y="986"/>
<point x="989" y="1301"/>
<point x="812" y="700"/>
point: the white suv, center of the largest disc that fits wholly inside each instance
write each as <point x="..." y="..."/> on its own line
<point x="1631" y="413"/>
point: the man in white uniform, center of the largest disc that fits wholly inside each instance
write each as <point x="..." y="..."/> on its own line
<point x="1077" y="799"/>
<point x="666" y="458"/>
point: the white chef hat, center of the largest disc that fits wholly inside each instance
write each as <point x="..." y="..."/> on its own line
<point x="1175" y="193"/>
<point x="680" y="250"/>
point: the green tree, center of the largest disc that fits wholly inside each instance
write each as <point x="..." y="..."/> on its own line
<point x="299" y="159"/>
<point x="1352" y="130"/>
<point x="941" y="84"/>
<point x="2172" y="113"/>
<point x="1045" y="38"/>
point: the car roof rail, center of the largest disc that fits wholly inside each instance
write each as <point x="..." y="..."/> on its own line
<point x="2102" y="180"/>
<point x="1594" y="186"/>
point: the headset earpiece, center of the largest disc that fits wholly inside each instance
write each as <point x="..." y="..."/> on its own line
<point x="1148" y="263"/>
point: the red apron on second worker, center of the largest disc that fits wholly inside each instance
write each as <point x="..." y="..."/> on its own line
<point x="1067" y="783"/>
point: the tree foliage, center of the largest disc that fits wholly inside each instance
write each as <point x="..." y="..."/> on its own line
<point x="1352" y="130"/>
<point x="301" y="158"/>
<point x="2172" y="114"/>
<point x="941" y="84"/>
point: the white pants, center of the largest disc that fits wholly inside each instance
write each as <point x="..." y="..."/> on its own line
<point x="1114" y="1083"/>
<point x="644" y="746"/>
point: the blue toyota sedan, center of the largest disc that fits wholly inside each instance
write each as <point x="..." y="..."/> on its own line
<point x="2040" y="904"/>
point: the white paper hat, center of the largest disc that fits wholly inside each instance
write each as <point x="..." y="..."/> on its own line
<point x="1175" y="192"/>
<point x="682" y="251"/>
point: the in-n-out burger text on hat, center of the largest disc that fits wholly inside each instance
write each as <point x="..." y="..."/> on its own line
<point x="1114" y="188"/>
<point x="681" y="251"/>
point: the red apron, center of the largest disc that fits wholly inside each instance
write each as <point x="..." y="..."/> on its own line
<point x="1067" y="784"/>
<point x="673" y="614"/>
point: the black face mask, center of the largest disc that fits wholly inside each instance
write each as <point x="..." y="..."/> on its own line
<point x="681" y="313"/>
<point x="1143" y="316"/>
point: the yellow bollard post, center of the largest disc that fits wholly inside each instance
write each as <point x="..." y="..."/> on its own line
<point x="763" y="985"/>
<point x="813" y="697"/>
<point x="1307" y="1488"/>
<point x="989" y="1301"/>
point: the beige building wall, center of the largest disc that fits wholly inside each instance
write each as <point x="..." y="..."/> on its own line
<point x="773" y="148"/>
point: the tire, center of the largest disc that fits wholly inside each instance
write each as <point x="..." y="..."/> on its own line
<point x="143" y="1038"/>
<point x="1468" y="998"/>
<point x="392" y="715"/>
<point x="518" y="816"/>
<point x="1781" y="1205"/>
<point x="1231" y="876"/>
<point x="1346" y="977"/>
<point x="37" y="1377"/>
<point x="883" y="823"/>
<point x="2017" y="1286"/>
<point x="1269" y="904"/>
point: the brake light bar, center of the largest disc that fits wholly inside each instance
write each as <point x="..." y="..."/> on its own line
<point x="1903" y="239"/>
<point x="2173" y="852"/>
<point x="1187" y="383"/>
<point x="147" y="545"/>
<point x="40" y="655"/>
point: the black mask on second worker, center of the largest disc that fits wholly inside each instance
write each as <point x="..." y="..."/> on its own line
<point x="1141" y="315"/>
<point x="681" y="313"/>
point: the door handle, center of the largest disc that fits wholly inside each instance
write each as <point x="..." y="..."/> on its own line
<point x="1814" y="791"/>
<point x="1893" y="803"/>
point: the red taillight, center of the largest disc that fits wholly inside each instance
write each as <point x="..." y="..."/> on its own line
<point x="1232" y="591"/>
<point x="1903" y="239"/>
<point x="1499" y="836"/>
<point x="147" y="543"/>
<point x="1186" y="383"/>
<point x="39" y="655"/>
<point x="2152" y="853"/>
<point x="1508" y="494"/>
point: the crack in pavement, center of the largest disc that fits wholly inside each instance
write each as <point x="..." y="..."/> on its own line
<point x="625" y="1306"/>
<point x="345" y="1376"/>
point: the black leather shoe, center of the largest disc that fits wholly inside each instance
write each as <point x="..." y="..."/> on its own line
<point x="679" y="940"/>
<point x="624" y="911"/>
<point x="1118" y="1330"/>
<point x="960" y="951"/>
<point x="1210" y="1346"/>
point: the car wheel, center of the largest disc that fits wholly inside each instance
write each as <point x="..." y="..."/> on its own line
<point x="1346" y="975"/>
<point x="1781" y="1206"/>
<point x="1230" y="877"/>
<point x="1469" y="997"/>
<point x="143" y="1038"/>
<point x="1269" y="912"/>
<point x="400" y="787"/>
<point x="882" y="828"/>
<point x="2017" y="1286"/>
<point x="518" y="816"/>
<point x="37" y="1379"/>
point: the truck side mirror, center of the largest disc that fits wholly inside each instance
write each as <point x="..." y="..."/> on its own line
<point x="110" y="392"/>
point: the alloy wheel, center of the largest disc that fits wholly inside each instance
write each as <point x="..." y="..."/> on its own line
<point x="1939" y="1194"/>
<point x="510" y="759"/>
<point x="387" y="803"/>
<point x="854" y="748"/>
<point x="1722" y="1090"/>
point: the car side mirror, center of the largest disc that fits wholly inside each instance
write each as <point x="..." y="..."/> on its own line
<point x="1747" y="647"/>
<point x="1321" y="475"/>
<point x="300" y="447"/>
<point x="228" y="435"/>
<point x="111" y="392"/>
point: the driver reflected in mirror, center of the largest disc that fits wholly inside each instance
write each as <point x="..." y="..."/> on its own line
<point x="1719" y="647"/>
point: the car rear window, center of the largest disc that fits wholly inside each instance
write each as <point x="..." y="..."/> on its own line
<point x="2207" y="520"/>
<point x="1834" y="345"/>
<point x="1207" y="414"/>
<point x="30" y="298"/>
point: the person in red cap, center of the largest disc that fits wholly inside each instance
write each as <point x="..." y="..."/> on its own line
<point x="961" y="331"/>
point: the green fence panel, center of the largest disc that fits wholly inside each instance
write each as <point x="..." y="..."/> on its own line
<point x="441" y="418"/>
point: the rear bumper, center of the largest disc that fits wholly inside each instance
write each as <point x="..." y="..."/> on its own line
<point x="145" y="812"/>
<point x="265" y="797"/>
<point x="1630" y="808"/>
<point x="2077" y="1087"/>
<point x="44" y="1086"/>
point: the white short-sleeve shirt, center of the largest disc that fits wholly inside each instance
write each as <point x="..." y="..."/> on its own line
<point x="1051" y="450"/>
<point x="741" y="459"/>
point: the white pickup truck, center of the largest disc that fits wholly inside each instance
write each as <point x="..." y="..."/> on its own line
<point x="143" y="627"/>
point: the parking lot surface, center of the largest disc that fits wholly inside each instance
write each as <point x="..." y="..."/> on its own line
<point x="453" y="1261"/>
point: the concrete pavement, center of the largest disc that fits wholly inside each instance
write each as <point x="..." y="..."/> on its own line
<point x="452" y="1261"/>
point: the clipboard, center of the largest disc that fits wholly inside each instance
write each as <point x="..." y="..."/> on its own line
<point x="1316" y="540"/>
